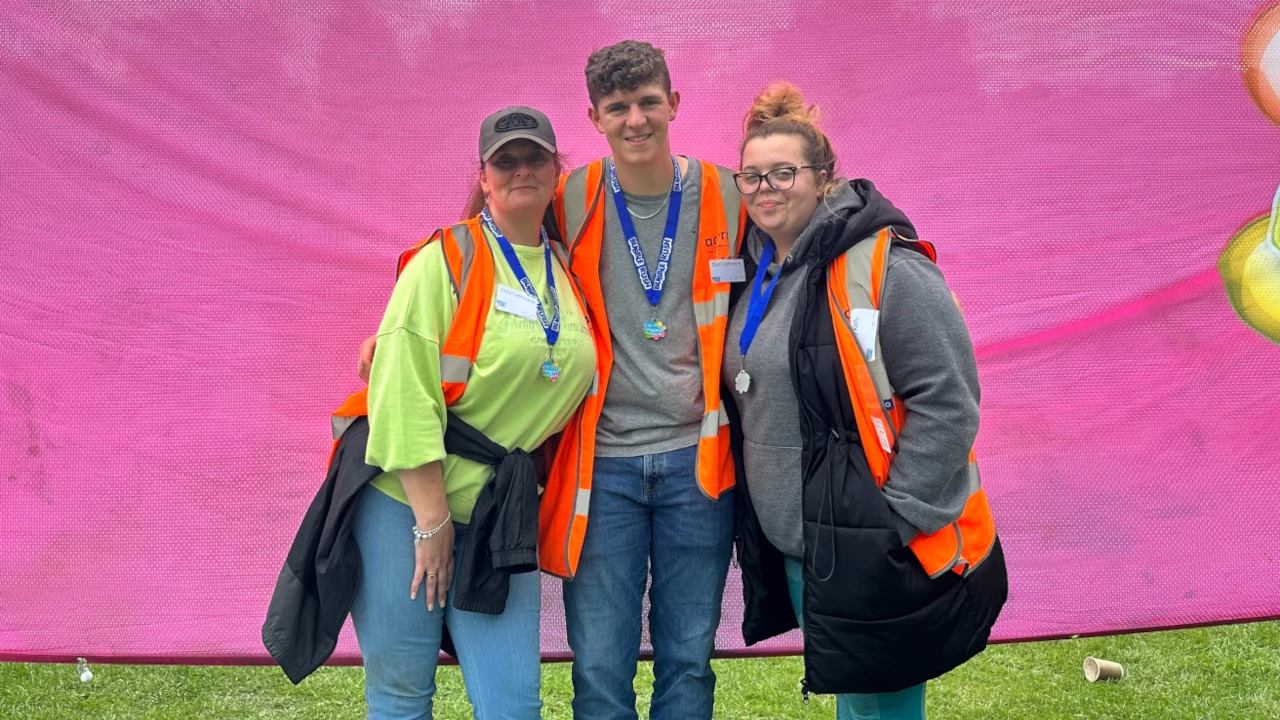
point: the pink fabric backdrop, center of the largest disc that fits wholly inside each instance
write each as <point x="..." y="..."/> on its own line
<point x="201" y="206"/>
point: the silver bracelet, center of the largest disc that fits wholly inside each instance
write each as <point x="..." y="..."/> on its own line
<point x="419" y="536"/>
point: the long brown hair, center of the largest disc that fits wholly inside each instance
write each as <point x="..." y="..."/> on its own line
<point x="780" y="109"/>
<point x="477" y="200"/>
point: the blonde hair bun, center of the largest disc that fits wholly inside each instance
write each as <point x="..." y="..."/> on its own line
<point x="779" y="101"/>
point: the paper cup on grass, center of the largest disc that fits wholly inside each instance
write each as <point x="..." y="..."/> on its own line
<point x="1096" y="670"/>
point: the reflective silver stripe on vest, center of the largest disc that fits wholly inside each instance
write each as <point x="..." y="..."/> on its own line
<point x="595" y="385"/>
<point x="713" y="421"/>
<point x="340" y="425"/>
<point x="582" y="503"/>
<point x="575" y="208"/>
<point x="454" y="368"/>
<point x="707" y="312"/>
<point x="858" y="261"/>
<point x="731" y="200"/>
<point x="857" y="280"/>
<point x="453" y="281"/>
<point x="467" y="248"/>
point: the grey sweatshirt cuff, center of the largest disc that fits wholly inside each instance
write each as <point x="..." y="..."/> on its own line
<point x="929" y="358"/>
<point x="906" y="530"/>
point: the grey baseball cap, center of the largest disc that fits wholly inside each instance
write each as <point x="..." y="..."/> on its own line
<point x="515" y="123"/>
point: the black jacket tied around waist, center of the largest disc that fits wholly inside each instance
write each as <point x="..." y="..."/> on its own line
<point x="321" y="574"/>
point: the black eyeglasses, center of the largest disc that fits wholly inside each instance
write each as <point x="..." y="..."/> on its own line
<point x="779" y="179"/>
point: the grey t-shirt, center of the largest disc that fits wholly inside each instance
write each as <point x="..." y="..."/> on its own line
<point x="654" y="400"/>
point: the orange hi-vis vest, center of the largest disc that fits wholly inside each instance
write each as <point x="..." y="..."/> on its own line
<point x="471" y="272"/>
<point x="579" y="208"/>
<point x="854" y="283"/>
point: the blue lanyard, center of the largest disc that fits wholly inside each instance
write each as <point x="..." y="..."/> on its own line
<point x="550" y="327"/>
<point x="759" y="301"/>
<point x="652" y="286"/>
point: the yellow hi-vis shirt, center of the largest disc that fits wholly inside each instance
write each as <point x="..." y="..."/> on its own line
<point x="507" y="398"/>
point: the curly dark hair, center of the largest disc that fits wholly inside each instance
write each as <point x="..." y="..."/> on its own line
<point x="625" y="66"/>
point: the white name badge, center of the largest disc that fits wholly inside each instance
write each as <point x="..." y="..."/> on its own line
<point x="865" y="324"/>
<point x="516" y="302"/>
<point x="730" y="270"/>
<point x="881" y="435"/>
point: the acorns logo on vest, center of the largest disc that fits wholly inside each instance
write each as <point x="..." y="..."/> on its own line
<point x="515" y="121"/>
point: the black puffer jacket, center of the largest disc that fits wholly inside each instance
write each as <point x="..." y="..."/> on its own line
<point x="874" y="621"/>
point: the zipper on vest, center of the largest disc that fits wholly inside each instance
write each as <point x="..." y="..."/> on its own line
<point x="806" y="424"/>
<point x="806" y="430"/>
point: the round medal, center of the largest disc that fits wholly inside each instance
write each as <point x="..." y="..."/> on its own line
<point x="551" y="370"/>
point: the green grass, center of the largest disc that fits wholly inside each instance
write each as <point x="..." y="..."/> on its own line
<point x="1226" y="673"/>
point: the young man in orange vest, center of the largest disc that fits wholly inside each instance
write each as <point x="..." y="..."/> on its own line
<point x="652" y="240"/>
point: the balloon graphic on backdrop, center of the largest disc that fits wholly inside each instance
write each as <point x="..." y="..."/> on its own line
<point x="1250" y="270"/>
<point x="1261" y="59"/>
<point x="1250" y="264"/>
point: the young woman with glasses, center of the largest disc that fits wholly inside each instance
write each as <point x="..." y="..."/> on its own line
<point x="855" y="388"/>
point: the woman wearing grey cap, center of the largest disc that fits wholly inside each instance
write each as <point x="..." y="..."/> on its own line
<point x="483" y="328"/>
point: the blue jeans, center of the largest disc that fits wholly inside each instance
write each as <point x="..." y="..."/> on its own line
<point x="648" y="514"/>
<point x="400" y="639"/>
<point x="902" y="705"/>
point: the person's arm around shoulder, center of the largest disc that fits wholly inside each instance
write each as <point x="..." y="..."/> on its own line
<point x="929" y="358"/>
<point x="366" y="357"/>
<point x="407" y="411"/>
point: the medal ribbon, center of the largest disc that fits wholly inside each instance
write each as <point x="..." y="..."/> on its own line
<point x="759" y="300"/>
<point x="652" y="286"/>
<point x="550" y="327"/>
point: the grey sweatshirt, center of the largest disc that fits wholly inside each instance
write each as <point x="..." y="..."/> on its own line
<point x="929" y="359"/>
<point x="654" y="400"/>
